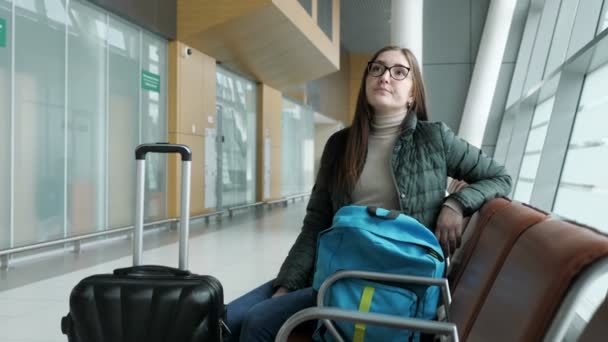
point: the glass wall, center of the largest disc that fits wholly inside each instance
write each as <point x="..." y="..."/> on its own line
<point x="154" y="123"/>
<point x="86" y="137"/>
<point x="307" y="4"/>
<point x="5" y="122"/>
<point x="324" y="17"/>
<point x="534" y="148"/>
<point x="564" y="164"/>
<point x="40" y="126"/>
<point x="297" y="149"/>
<point x="583" y="187"/>
<point x="603" y="22"/>
<point x="236" y="100"/>
<point x="124" y="107"/>
<point x="73" y="118"/>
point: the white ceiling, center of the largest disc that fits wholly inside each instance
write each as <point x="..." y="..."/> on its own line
<point x="364" y="25"/>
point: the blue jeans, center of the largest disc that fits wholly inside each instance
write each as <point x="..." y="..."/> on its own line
<point x="256" y="317"/>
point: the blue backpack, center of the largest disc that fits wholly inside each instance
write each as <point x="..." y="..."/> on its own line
<point x="378" y="240"/>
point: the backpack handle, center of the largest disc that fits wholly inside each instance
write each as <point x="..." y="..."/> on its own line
<point x="390" y="215"/>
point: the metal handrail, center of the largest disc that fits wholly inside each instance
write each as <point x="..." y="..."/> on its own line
<point x="304" y="194"/>
<point x="5" y="253"/>
<point x="206" y="216"/>
<point x="76" y="238"/>
<point x="287" y="198"/>
<point x="79" y="237"/>
<point x="243" y="206"/>
<point x="442" y="283"/>
<point x="433" y="327"/>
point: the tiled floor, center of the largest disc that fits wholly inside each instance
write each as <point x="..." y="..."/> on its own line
<point x="241" y="252"/>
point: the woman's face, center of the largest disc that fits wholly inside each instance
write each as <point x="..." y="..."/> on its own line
<point x="385" y="93"/>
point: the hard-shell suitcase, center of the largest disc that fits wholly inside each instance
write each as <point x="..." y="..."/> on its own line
<point x="149" y="303"/>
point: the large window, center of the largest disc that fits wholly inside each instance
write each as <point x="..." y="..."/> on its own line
<point x="583" y="188"/>
<point x="324" y="17"/>
<point x="72" y="110"/>
<point x="603" y="22"/>
<point x="297" y="149"/>
<point x="534" y="148"/>
<point x="307" y="4"/>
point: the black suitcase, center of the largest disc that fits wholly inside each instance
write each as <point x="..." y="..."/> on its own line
<point x="149" y="303"/>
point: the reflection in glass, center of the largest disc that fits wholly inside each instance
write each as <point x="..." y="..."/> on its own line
<point x="237" y="138"/>
<point x="534" y="148"/>
<point x="123" y="125"/>
<point x="583" y="189"/>
<point x="55" y="10"/>
<point x="77" y="120"/>
<point x="5" y="128"/>
<point x="40" y="129"/>
<point x="153" y="126"/>
<point x="307" y="4"/>
<point x="297" y="149"/>
<point x="86" y="129"/>
<point x="324" y="17"/>
<point x="603" y="22"/>
<point x="29" y="5"/>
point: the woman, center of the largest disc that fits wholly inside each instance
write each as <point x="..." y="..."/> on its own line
<point x="390" y="157"/>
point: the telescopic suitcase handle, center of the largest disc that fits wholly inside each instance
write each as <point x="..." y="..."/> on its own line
<point x="163" y="147"/>
<point x="184" y="225"/>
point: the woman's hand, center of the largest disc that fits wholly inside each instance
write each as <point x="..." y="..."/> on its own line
<point x="280" y="291"/>
<point x="449" y="229"/>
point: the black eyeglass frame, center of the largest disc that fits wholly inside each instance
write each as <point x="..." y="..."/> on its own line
<point x="390" y="70"/>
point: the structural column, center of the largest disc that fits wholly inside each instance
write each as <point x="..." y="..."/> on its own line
<point x="191" y="113"/>
<point x="269" y="138"/>
<point x="406" y="25"/>
<point x="487" y="68"/>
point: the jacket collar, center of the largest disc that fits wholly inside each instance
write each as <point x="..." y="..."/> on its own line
<point x="409" y="124"/>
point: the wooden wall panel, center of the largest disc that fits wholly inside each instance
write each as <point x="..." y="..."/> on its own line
<point x="192" y="92"/>
<point x="275" y="42"/>
<point x="270" y="106"/>
<point x="334" y="89"/>
<point x="194" y="16"/>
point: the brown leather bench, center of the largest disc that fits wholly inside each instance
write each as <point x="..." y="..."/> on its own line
<point x="534" y="280"/>
<point x="496" y="239"/>
<point x="515" y="272"/>
<point x="470" y="237"/>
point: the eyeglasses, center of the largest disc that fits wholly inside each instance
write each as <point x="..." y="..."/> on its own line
<point x="397" y="72"/>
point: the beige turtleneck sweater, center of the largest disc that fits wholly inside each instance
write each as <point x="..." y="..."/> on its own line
<point x="376" y="186"/>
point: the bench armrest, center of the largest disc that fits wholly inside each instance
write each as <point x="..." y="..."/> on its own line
<point x="396" y="278"/>
<point x="433" y="327"/>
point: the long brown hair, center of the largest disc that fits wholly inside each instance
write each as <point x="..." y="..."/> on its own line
<point x="351" y="165"/>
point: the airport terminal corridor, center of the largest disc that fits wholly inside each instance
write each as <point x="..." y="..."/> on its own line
<point x="242" y="252"/>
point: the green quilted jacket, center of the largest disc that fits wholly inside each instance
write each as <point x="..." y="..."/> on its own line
<point x="425" y="154"/>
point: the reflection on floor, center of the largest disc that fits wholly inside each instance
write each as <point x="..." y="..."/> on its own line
<point x="241" y="252"/>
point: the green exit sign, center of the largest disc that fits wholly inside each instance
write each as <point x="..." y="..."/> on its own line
<point x="2" y="32"/>
<point x="150" y="81"/>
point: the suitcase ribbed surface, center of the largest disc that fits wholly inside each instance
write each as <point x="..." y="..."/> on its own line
<point x="120" y="309"/>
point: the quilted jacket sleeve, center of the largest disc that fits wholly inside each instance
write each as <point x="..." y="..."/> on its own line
<point x="487" y="179"/>
<point x="297" y="268"/>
